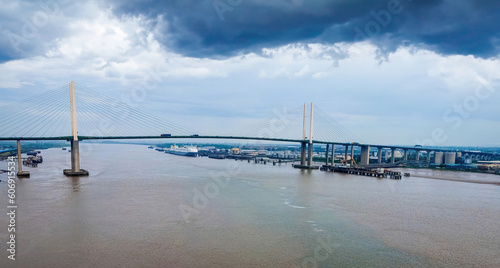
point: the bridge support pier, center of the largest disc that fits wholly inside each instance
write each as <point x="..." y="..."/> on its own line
<point x="346" y="152"/>
<point x="352" y="152"/>
<point x="310" y="155"/>
<point x="417" y="157"/>
<point x="20" y="172"/>
<point x="75" y="170"/>
<point x="365" y="155"/>
<point x="333" y="154"/>
<point x="327" y="153"/>
<point x="303" y="154"/>
<point x="380" y="155"/>
<point x="405" y="157"/>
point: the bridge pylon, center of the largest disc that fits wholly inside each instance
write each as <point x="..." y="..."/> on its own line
<point x="75" y="170"/>
<point x="308" y="143"/>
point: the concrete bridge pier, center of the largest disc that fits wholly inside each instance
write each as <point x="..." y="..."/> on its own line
<point x="333" y="154"/>
<point x="393" y="155"/>
<point x="352" y="152"/>
<point x="380" y="155"/>
<point x="75" y="148"/>
<point x="310" y="154"/>
<point x="417" y="157"/>
<point x="303" y="153"/>
<point x="405" y="156"/>
<point x="365" y="155"/>
<point x="327" y="153"/>
<point x="20" y="172"/>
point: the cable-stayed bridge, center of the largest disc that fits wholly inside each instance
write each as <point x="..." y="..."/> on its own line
<point x="77" y="113"/>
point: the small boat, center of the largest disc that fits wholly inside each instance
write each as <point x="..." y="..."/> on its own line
<point x="64" y="148"/>
<point x="151" y="147"/>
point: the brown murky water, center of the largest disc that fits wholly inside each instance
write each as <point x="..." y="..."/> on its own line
<point x="142" y="208"/>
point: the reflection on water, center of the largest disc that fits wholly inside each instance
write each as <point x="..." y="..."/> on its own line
<point x="75" y="184"/>
<point x="127" y="214"/>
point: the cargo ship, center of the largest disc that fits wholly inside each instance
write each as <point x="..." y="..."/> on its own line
<point x="184" y="151"/>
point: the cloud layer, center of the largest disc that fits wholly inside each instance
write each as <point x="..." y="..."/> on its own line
<point x="227" y="27"/>
<point x="221" y="28"/>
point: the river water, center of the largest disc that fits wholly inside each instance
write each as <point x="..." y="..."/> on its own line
<point x="142" y="208"/>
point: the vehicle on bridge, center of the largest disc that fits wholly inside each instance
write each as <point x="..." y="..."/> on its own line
<point x="166" y="135"/>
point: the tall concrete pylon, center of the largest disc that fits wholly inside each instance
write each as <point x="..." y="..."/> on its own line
<point x="311" y="121"/>
<point x="303" y="143"/>
<point x="307" y="145"/>
<point x="75" y="147"/>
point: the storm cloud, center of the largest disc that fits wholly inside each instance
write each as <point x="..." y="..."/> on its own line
<point x="224" y="28"/>
<point x="227" y="27"/>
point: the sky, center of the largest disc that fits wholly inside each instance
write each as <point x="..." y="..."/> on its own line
<point x="392" y="72"/>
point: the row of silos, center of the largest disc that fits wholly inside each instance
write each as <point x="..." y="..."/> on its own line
<point x="448" y="158"/>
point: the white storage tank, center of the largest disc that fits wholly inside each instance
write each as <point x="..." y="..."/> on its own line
<point x="449" y="158"/>
<point x="438" y="158"/>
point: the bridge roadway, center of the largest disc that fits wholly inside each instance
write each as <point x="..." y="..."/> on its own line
<point x="391" y="147"/>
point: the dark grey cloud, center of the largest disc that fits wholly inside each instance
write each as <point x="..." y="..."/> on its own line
<point x="221" y="28"/>
<point x="196" y="28"/>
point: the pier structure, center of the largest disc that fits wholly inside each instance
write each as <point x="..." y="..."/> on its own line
<point x="20" y="172"/>
<point x="365" y="155"/>
<point x="75" y="170"/>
